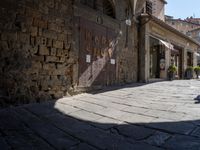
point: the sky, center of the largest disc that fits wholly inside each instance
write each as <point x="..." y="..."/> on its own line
<point x="183" y="8"/>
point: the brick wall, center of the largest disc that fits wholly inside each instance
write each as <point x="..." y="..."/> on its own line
<point x="35" y="49"/>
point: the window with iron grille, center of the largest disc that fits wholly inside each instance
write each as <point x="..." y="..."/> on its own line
<point x="149" y="7"/>
<point x="90" y="3"/>
<point x="105" y="6"/>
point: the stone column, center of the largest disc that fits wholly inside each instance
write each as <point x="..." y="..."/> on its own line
<point x="167" y="60"/>
<point x="184" y="61"/>
<point x="194" y="58"/>
<point x="144" y="50"/>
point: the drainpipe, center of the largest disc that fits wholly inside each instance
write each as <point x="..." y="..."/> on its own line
<point x="139" y="28"/>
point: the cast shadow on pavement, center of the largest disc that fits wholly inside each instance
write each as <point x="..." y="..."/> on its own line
<point x="45" y="127"/>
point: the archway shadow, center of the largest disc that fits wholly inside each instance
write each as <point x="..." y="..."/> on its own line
<point x="197" y="99"/>
<point x="56" y="125"/>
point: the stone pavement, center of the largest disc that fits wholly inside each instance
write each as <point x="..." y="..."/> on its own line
<point x="156" y="116"/>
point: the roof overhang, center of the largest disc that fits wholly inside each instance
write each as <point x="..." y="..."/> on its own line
<point x="168" y="27"/>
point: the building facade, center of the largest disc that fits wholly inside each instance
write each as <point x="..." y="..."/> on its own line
<point x="183" y="26"/>
<point x="162" y="45"/>
<point x="54" y="48"/>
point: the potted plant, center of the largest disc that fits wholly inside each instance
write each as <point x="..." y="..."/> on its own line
<point x="172" y="72"/>
<point x="189" y="72"/>
<point x="197" y="71"/>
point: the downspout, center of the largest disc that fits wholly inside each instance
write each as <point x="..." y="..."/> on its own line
<point x="139" y="26"/>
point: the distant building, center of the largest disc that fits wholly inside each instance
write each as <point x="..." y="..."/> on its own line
<point x="182" y="25"/>
<point x="195" y="34"/>
<point x="156" y="8"/>
<point x="189" y="26"/>
<point x="164" y="45"/>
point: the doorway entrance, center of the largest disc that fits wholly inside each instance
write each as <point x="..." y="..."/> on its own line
<point x="157" y="58"/>
<point x="97" y="56"/>
<point x="176" y="59"/>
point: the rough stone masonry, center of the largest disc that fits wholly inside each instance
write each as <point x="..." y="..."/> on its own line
<point x="35" y="49"/>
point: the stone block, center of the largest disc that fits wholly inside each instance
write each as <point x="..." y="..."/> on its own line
<point x="40" y="31"/>
<point x="23" y="37"/>
<point x="65" y="52"/>
<point x="59" y="94"/>
<point x="43" y="50"/>
<point x="36" y="65"/>
<point x="54" y="27"/>
<point x="38" y="58"/>
<point x="38" y="40"/>
<point x="49" y="42"/>
<point x="34" y="50"/>
<point x="33" y="41"/>
<point x="34" y="31"/>
<point x="45" y="72"/>
<point x="67" y="45"/>
<point x="69" y="38"/>
<point x="52" y="59"/>
<point x="62" y="37"/>
<point x="41" y="41"/>
<point x="4" y="46"/>
<point x="49" y="66"/>
<point x="53" y="51"/>
<point x="62" y="59"/>
<point x="59" y="71"/>
<point x="42" y="24"/>
<point x="5" y="36"/>
<point x="70" y="61"/>
<point x="49" y="34"/>
<point x="50" y="3"/>
<point x="59" y="52"/>
<point x="37" y="22"/>
<point x="57" y="44"/>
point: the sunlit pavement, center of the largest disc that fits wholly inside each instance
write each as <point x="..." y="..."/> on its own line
<point x="162" y="115"/>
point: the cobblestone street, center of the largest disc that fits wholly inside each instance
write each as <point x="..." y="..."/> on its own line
<point x="156" y="116"/>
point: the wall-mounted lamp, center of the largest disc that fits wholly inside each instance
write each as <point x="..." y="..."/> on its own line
<point x="128" y="22"/>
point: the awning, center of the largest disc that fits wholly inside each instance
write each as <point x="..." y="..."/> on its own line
<point x="168" y="45"/>
<point x="197" y="54"/>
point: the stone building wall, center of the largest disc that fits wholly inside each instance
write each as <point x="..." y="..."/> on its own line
<point x="35" y="49"/>
<point x="159" y="9"/>
<point x="127" y="44"/>
<point x="182" y="25"/>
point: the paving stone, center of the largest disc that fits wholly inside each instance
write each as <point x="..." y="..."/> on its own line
<point x="154" y="116"/>
<point x="82" y="146"/>
<point x="158" y="138"/>
<point x="65" y="109"/>
<point x="89" y="134"/>
<point x="4" y="145"/>
<point x="196" y="132"/>
<point x="84" y="105"/>
<point x="51" y="134"/>
<point x="165" y="114"/>
<point x="107" y="123"/>
<point x="19" y="140"/>
<point x="135" y="132"/>
<point x="42" y="109"/>
<point x="136" y="110"/>
<point x="144" y="146"/>
<point x="9" y="121"/>
<point x="84" y="115"/>
<point x="69" y="124"/>
<point x="172" y="126"/>
<point x="105" y="140"/>
<point x="111" y="113"/>
<point x="136" y="118"/>
<point x="181" y="142"/>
